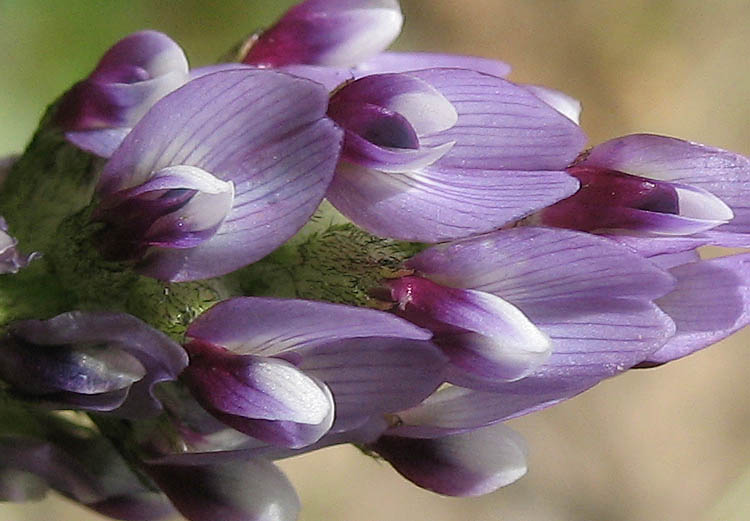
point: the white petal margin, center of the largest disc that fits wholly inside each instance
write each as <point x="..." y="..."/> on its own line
<point x="264" y="131"/>
<point x="561" y="102"/>
<point x="253" y="490"/>
<point x="374" y="26"/>
<point x="468" y="464"/>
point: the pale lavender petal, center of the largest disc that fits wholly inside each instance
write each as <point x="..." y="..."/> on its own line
<point x="161" y="357"/>
<point x="337" y="33"/>
<point x="480" y="332"/>
<point x="467" y="464"/>
<point x="724" y="174"/>
<point x="264" y="131"/>
<point x="440" y="204"/>
<point x="269" y="327"/>
<point x="597" y="337"/>
<point x="501" y="126"/>
<point x="385" y="62"/>
<point x="253" y="490"/>
<point x="561" y="102"/>
<point x="669" y="260"/>
<point x="369" y="376"/>
<point x="710" y="302"/>
<point x="592" y="338"/>
<point x="651" y="246"/>
<point x="528" y="264"/>
<point x="506" y="161"/>
<point x="455" y="410"/>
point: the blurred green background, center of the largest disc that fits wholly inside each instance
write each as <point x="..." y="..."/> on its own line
<point x="669" y="443"/>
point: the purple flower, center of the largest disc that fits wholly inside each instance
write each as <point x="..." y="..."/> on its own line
<point x="217" y="174"/>
<point x="440" y="154"/>
<point x="135" y="73"/>
<point x="338" y="33"/>
<point x="535" y="301"/>
<point x="654" y="185"/>
<point x="96" y="361"/>
<point x="279" y="370"/>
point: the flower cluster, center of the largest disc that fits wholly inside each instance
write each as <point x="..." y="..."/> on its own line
<point x="329" y="243"/>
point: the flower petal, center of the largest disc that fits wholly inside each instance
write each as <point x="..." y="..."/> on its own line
<point x="369" y="376"/>
<point x="529" y="264"/>
<point x="253" y="490"/>
<point x="610" y="200"/>
<point x="328" y="32"/>
<point x="423" y="106"/>
<point x="385" y="62"/>
<point x="435" y="205"/>
<point x="264" y="131"/>
<point x="162" y="358"/>
<point x="561" y="102"/>
<point x="253" y="387"/>
<point x="710" y="302"/>
<point x="269" y="327"/>
<point x="509" y="150"/>
<point x="501" y="126"/>
<point x="480" y="332"/>
<point x="722" y="173"/>
<point x="454" y="410"/>
<point x="135" y="73"/>
<point x="468" y="464"/>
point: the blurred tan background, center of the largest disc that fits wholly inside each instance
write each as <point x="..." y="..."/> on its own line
<point x="665" y="444"/>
